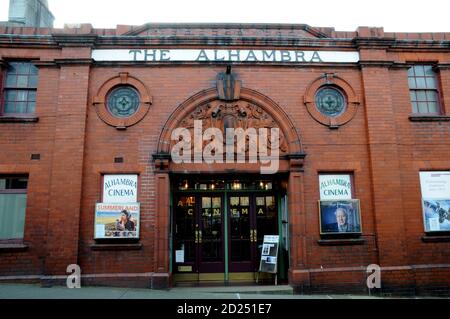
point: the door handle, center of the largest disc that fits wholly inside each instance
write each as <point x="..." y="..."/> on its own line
<point x="253" y="235"/>
<point x="196" y="236"/>
<point x="200" y="236"/>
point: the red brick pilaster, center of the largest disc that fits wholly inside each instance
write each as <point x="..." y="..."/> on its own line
<point x="162" y="223"/>
<point x="161" y="278"/>
<point x="298" y="276"/>
<point x="385" y="165"/>
<point x="444" y="72"/>
<point x="68" y="156"/>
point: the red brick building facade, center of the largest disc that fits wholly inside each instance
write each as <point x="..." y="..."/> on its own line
<point x="65" y="141"/>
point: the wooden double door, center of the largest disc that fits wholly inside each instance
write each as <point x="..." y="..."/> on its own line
<point x="210" y="229"/>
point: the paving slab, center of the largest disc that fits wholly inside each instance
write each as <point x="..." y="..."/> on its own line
<point x="21" y="291"/>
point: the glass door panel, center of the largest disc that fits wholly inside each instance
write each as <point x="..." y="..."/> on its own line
<point x="241" y="233"/>
<point x="185" y="247"/>
<point x="266" y="218"/>
<point x="211" y="234"/>
<point x="198" y="230"/>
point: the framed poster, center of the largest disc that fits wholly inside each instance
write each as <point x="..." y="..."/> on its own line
<point x="436" y="215"/>
<point x="435" y="188"/>
<point x="117" y="220"/>
<point x="340" y="217"/>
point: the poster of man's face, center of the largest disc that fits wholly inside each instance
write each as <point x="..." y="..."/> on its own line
<point x="436" y="215"/>
<point x="340" y="217"/>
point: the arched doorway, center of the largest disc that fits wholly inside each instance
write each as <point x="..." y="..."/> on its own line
<point x="216" y="214"/>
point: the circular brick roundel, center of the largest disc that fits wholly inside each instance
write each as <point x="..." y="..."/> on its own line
<point x="100" y="101"/>
<point x="332" y="81"/>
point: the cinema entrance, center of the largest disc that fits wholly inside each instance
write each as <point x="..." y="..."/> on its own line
<point x="218" y="227"/>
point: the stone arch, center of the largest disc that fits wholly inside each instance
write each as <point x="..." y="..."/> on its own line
<point x="293" y="161"/>
<point x="185" y="109"/>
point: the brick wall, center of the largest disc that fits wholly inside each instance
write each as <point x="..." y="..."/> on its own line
<point x="381" y="147"/>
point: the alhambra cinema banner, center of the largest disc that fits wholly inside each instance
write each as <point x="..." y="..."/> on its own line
<point x="224" y="55"/>
<point x="339" y="213"/>
<point x="118" y="215"/>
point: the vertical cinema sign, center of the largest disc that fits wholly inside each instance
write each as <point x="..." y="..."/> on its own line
<point x="228" y="55"/>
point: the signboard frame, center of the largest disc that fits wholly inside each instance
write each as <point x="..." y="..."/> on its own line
<point x="269" y="256"/>
<point x="113" y="199"/>
<point x="356" y="207"/>
<point x="114" y="211"/>
<point x="435" y="192"/>
<point x="224" y="55"/>
<point x="328" y="180"/>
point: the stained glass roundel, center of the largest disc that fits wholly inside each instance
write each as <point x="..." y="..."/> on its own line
<point x="123" y="101"/>
<point x="330" y="101"/>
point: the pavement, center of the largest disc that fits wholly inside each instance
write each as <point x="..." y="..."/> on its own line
<point x="23" y="291"/>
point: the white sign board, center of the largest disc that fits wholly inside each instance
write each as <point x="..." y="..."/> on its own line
<point x="435" y="185"/>
<point x="273" y="239"/>
<point x="179" y="256"/>
<point x="120" y="189"/>
<point x="207" y="55"/>
<point x="335" y="187"/>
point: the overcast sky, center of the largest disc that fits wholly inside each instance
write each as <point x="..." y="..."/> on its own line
<point x="344" y="15"/>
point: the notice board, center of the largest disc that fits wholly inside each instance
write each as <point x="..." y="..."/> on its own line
<point x="269" y="254"/>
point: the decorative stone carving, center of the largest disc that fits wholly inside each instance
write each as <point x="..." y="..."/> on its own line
<point x="228" y="87"/>
<point x="240" y="114"/>
<point x="252" y="109"/>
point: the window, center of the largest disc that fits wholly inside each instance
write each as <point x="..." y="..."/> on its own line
<point x="19" y="93"/>
<point x="423" y="89"/>
<point x="13" y="202"/>
<point x="330" y="101"/>
<point x="123" y="101"/>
